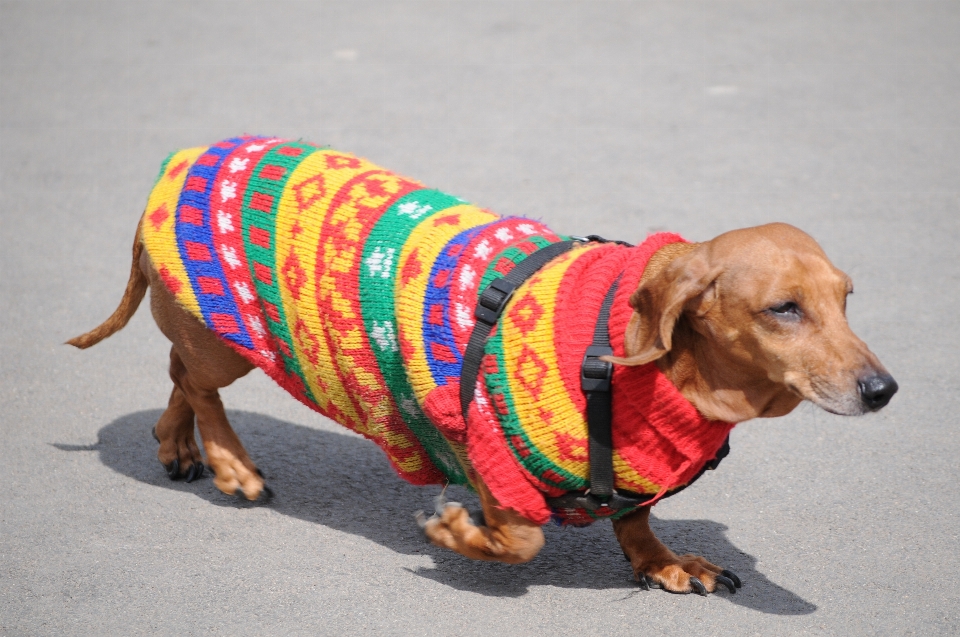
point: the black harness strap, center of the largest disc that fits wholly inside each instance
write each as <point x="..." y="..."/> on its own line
<point x="595" y="381"/>
<point x="595" y="377"/>
<point x="493" y="300"/>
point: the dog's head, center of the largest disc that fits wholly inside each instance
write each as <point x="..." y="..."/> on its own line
<point x="751" y="323"/>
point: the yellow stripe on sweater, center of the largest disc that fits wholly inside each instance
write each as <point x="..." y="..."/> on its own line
<point x="428" y="240"/>
<point x="158" y="229"/>
<point x="541" y="403"/>
<point x="304" y="204"/>
<point x="627" y="478"/>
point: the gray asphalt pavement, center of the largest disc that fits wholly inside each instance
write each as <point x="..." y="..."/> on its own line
<point x="615" y="118"/>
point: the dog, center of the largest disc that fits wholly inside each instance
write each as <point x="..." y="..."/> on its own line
<point x="607" y="377"/>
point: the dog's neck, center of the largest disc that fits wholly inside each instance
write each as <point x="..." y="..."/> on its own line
<point x="718" y="386"/>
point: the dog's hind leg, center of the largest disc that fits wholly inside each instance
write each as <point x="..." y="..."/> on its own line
<point x="200" y="365"/>
<point x="506" y="536"/>
<point x="234" y="470"/>
<point x="178" y="452"/>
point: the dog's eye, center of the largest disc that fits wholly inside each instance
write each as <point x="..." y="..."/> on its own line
<point x="787" y="310"/>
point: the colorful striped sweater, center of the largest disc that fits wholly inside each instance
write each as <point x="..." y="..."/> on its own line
<point x="354" y="289"/>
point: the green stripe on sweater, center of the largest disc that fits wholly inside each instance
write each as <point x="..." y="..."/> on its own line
<point x="523" y="449"/>
<point x="380" y="264"/>
<point x="260" y="202"/>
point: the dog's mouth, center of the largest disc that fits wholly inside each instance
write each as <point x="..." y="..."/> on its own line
<point x="825" y="396"/>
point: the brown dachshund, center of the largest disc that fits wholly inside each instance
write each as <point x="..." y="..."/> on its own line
<point x="746" y="325"/>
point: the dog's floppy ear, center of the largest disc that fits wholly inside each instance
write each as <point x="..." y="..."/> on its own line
<point x="659" y="301"/>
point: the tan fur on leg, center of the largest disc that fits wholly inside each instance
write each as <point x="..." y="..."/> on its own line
<point x="506" y="536"/>
<point x="651" y="558"/>
<point x="178" y="451"/>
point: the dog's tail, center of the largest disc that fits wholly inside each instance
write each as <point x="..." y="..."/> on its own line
<point x="136" y="288"/>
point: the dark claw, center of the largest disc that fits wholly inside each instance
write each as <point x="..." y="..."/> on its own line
<point x="478" y="518"/>
<point x="260" y="473"/>
<point x="154" y="432"/>
<point x="195" y="471"/>
<point x="698" y="586"/>
<point x="732" y="577"/>
<point x="726" y="581"/>
<point x="642" y="581"/>
<point x="173" y="469"/>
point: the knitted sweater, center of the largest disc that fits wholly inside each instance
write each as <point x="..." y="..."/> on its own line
<point x="354" y="289"/>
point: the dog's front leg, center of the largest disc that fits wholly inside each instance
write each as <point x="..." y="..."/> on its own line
<point x="654" y="563"/>
<point x="505" y="537"/>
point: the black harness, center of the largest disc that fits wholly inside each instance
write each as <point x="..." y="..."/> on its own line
<point x="595" y="381"/>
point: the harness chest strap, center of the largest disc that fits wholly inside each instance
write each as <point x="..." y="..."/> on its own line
<point x="595" y="381"/>
<point x="595" y="378"/>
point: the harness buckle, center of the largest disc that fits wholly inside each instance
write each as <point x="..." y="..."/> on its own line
<point x="590" y="502"/>
<point x="595" y="374"/>
<point x="493" y="299"/>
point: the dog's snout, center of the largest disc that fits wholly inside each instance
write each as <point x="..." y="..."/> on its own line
<point x="876" y="390"/>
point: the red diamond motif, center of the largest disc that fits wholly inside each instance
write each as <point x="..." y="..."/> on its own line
<point x="442" y="353"/>
<point x="158" y="216"/>
<point x="169" y="280"/>
<point x="520" y="446"/>
<point x="525" y="314"/>
<point x="271" y="311"/>
<point x="176" y="170"/>
<point x="342" y="161"/>
<point x="449" y="220"/>
<point x="308" y="191"/>
<point x="294" y="275"/>
<point x="308" y="343"/>
<point x="571" y="448"/>
<point x="531" y="371"/>
<point x="441" y="279"/>
<point x="528" y="247"/>
<point x="411" y="268"/>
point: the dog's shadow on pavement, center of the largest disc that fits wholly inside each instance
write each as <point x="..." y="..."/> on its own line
<point x="344" y="482"/>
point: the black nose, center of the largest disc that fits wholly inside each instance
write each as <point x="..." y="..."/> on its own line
<point x="877" y="390"/>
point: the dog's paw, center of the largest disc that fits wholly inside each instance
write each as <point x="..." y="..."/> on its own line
<point x="446" y="525"/>
<point x="180" y="457"/>
<point x="688" y="574"/>
<point x="234" y="477"/>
